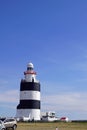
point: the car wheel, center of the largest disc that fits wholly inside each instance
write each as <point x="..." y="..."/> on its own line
<point x="14" y="127"/>
<point x="3" y="129"/>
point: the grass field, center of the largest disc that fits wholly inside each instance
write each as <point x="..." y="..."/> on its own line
<point x="52" y="126"/>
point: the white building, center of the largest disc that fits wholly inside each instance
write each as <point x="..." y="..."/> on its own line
<point x="49" y="116"/>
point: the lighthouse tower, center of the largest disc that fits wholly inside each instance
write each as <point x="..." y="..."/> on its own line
<point x="29" y="104"/>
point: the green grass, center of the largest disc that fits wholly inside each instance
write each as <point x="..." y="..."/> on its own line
<point x="52" y="126"/>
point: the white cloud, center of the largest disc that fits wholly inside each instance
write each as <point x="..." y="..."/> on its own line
<point x="7" y="106"/>
<point x="80" y="66"/>
<point x="63" y="101"/>
<point x="9" y="96"/>
<point x="66" y="102"/>
<point x="3" y="83"/>
<point x="69" y="102"/>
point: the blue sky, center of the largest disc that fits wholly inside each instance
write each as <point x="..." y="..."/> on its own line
<point x="52" y="34"/>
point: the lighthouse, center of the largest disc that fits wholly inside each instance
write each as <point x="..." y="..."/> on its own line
<point x="29" y="103"/>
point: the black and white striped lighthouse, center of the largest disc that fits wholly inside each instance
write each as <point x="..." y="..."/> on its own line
<point x="29" y="104"/>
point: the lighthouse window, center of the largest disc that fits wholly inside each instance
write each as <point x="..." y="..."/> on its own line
<point x="32" y="79"/>
<point x="29" y="68"/>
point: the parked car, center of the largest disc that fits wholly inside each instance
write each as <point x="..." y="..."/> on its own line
<point x="10" y="123"/>
<point x="2" y="127"/>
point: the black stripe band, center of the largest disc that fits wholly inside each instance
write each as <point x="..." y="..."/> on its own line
<point x="29" y="86"/>
<point x="29" y="104"/>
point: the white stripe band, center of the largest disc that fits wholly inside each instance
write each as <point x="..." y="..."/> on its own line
<point x="35" y="95"/>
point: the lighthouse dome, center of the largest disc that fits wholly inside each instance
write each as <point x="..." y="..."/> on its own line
<point x="30" y="65"/>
